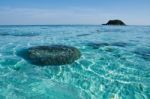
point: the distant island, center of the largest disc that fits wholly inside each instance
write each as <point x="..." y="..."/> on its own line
<point x="115" y="22"/>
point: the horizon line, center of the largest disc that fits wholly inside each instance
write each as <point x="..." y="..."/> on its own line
<point x="64" y="25"/>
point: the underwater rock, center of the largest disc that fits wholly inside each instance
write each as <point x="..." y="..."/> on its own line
<point x="83" y="35"/>
<point x="50" y="55"/>
<point x="85" y="84"/>
<point x="115" y="22"/>
<point x="97" y="45"/>
<point x="109" y="49"/>
<point x="143" y="53"/>
<point x="97" y="31"/>
<point x="118" y="44"/>
<point x="26" y="34"/>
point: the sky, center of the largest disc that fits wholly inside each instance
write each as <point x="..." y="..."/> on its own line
<point x="47" y="12"/>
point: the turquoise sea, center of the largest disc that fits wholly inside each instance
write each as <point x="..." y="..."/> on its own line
<point x="115" y="63"/>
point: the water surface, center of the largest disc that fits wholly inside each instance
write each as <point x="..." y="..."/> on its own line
<point x="115" y="63"/>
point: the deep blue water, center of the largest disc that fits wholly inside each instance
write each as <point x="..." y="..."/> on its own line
<point x="115" y="63"/>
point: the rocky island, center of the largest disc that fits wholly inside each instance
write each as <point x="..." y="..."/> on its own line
<point x="115" y="22"/>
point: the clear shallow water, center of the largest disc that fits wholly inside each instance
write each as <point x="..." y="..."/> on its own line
<point x="115" y="63"/>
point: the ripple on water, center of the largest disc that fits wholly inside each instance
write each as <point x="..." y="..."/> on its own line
<point x="21" y="34"/>
<point x="109" y="68"/>
<point x="143" y="53"/>
<point x="85" y="84"/>
<point x="97" y="45"/>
